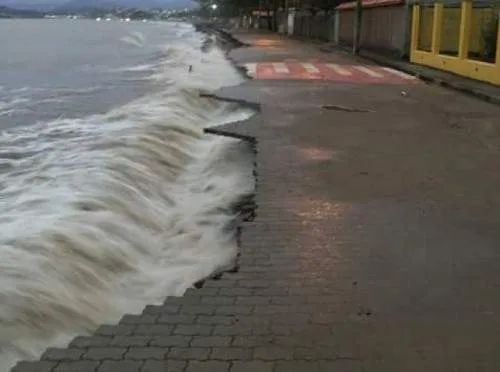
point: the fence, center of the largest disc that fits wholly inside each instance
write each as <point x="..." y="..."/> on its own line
<point x="320" y="26"/>
<point x="385" y="25"/>
<point x="460" y="37"/>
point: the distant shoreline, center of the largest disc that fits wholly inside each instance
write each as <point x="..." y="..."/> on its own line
<point x="11" y="13"/>
<point x="89" y="13"/>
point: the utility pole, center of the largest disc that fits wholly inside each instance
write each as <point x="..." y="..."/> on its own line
<point x="275" y="15"/>
<point x="286" y="17"/>
<point x="357" y="27"/>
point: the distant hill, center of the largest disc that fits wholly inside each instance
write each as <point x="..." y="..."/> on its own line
<point x="6" y="12"/>
<point x="82" y="5"/>
<point x="37" y="5"/>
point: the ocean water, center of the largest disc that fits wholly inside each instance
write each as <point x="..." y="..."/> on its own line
<point x="111" y="196"/>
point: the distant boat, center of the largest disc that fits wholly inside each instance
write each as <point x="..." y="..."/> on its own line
<point x="127" y="20"/>
<point x="108" y="19"/>
<point x="98" y="19"/>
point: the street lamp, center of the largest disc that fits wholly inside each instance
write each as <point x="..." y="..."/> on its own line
<point x="214" y="8"/>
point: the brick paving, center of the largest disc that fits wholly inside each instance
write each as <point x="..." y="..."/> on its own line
<point x="327" y="71"/>
<point x="374" y="248"/>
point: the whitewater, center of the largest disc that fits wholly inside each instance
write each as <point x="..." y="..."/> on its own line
<point x="104" y="213"/>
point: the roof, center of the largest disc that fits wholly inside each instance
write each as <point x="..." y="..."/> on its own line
<point x="370" y="4"/>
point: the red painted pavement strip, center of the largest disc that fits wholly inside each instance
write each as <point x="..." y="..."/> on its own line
<point x="345" y="73"/>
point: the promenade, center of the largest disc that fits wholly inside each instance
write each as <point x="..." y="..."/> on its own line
<point x="375" y="245"/>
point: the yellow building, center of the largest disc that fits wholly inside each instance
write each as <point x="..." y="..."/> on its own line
<point x="461" y="36"/>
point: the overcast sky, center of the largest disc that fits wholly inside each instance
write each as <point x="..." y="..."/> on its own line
<point x="13" y="2"/>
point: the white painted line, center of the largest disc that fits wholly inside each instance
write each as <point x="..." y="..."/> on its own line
<point x="399" y="73"/>
<point x="368" y="71"/>
<point x="280" y="68"/>
<point x="309" y="67"/>
<point x="251" y="68"/>
<point x="339" y="70"/>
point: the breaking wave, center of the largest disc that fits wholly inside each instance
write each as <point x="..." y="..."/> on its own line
<point x="135" y="38"/>
<point x="104" y="214"/>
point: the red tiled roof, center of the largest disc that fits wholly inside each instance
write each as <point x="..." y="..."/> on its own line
<point x="370" y="4"/>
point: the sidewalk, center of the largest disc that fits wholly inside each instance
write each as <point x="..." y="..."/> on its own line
<point x="374" y="249"/>
<point x="478" y="89"/>
<point x="483" y="91"/>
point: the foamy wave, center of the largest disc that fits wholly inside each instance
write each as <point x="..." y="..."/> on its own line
<point x="13" y="105"/>
<point x="77" y="91"/>
<point x="104" y="214"/>
<point x="139" y="68"/>
<point x="27" y="90"/>
<point x="26" y="98"/>
<point x="135" y="38"/>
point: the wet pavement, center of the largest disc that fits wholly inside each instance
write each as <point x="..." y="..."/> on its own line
<point x="375" y="246"/>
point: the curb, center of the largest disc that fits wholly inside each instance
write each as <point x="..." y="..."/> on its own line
<point x="429" y="79"/>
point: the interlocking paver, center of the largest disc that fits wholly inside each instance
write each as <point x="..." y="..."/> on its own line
<point x="194" y="330"/>
<point x="94" y="341"/>
<point x="146" y="353"/>
<point x="231" y="353"/>
<point x="115" y="330"/>
<point x="210" y="366"/>
<point x="340" y="366"/>
<point x="161" y="310"/>
<point x="154" y="329"/>
<point x="166" y="341"/>
<point x="233" y="310"/>
<point x="43" y="366"/>
<point x="198" y="309"/>
<point x="252" y="341"/>
<point x="252" y="319"/>
<point x="233" y="330"/>
<point x="361" y="245"/>
<point x="164" y="366"/>
<point x="139" y="319"/>
<point x="217" y="319"/>
<point x="185" y="300"/>
<point x="204" y="291"/>
<point x="252" y="366"/>
<point x="210" y="341"/>
<point x="78" y="366"/>
<point x="120" y="366"/>
<point x="220" y="300"/>
<point x="189" y="353"/>
<point x="55" y="354"/>
<point x="236" y="292"/>
<point x="129" y="341"/>
<point x="176" y="319"/>
<point x="99" y="353"/>
<point x="298" y="366"/>
<point x="273" y="353"/>
<point x="221" y="284"/>
<point x="252" y="300"/>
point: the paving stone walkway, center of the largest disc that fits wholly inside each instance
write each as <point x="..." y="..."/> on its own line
<point x="375" y="246"/>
